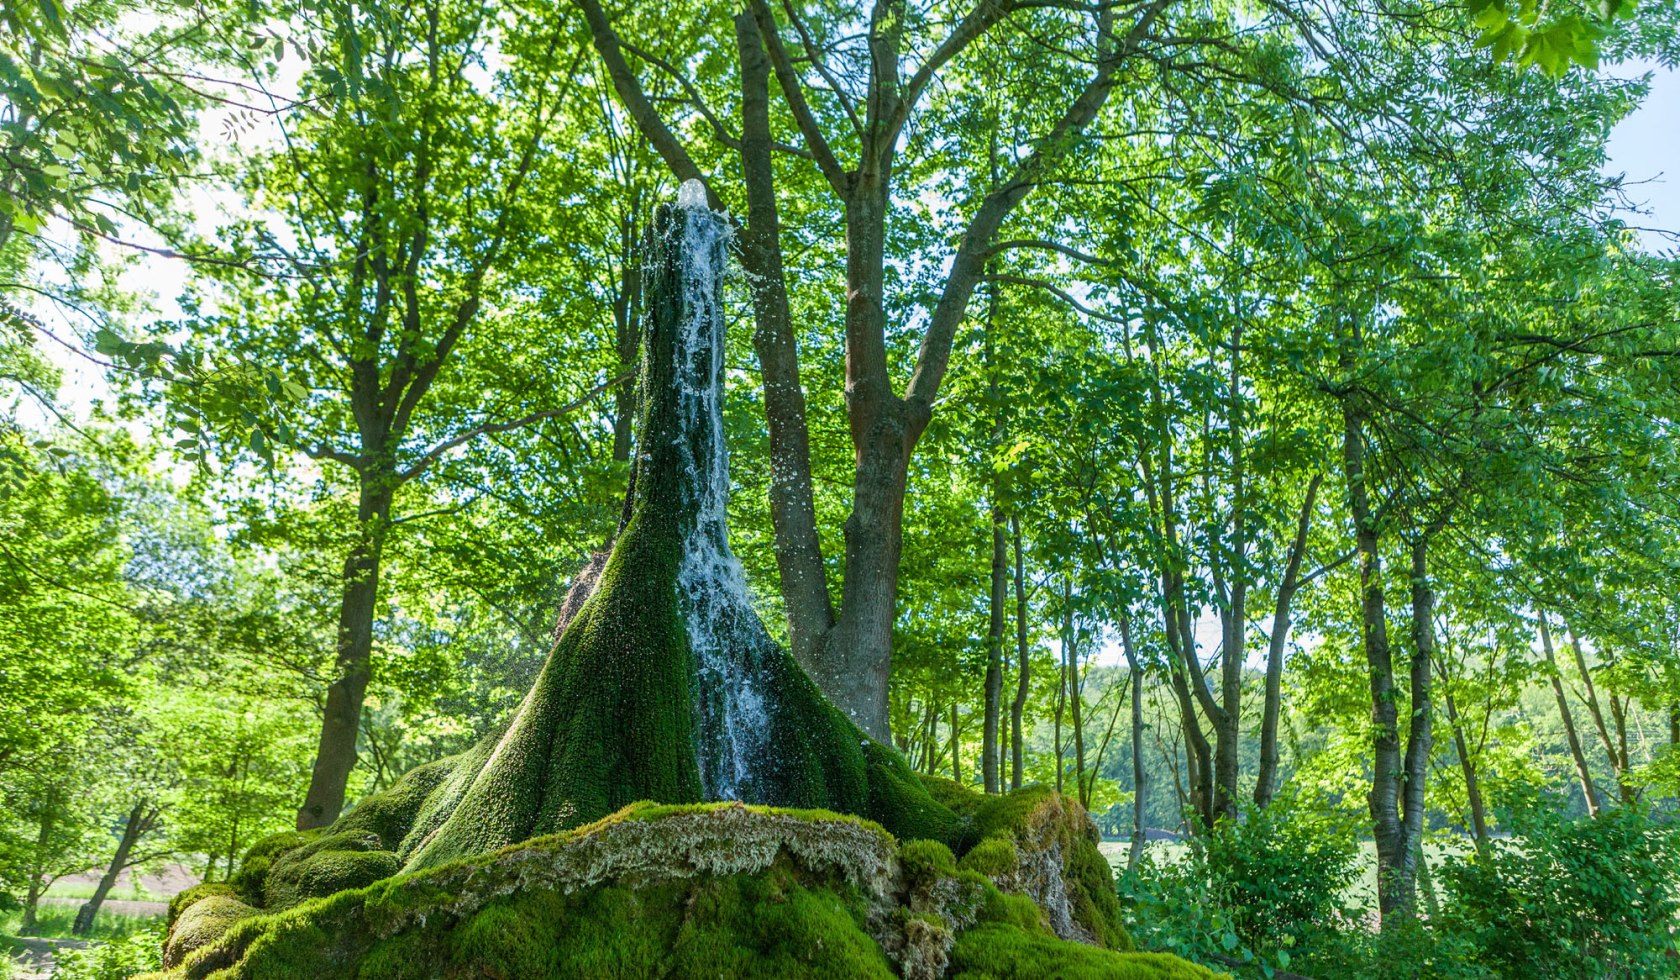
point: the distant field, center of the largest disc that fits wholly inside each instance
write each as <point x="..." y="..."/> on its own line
<point x="124" y="892"/>
<point x="1363" y="890"/>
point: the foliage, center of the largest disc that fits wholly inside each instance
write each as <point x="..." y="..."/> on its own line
<point x="1264" y="891"/>
<point x="1571" y="898"/>
<point x="116" y="959"/>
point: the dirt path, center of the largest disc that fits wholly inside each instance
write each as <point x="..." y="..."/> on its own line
<point x="36" y="960"/>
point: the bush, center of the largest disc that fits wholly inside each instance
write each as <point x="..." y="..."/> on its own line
<point x="1264" y="890"/>
<point x="1282" y="872"/>
<point x="118" y="959"/>
<point x="1591" y="897"/>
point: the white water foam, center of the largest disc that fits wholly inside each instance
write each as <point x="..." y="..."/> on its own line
<point x="732" y="718"/>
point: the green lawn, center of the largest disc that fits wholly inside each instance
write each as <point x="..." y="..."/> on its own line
<point x="54" y="922"/>
<point x="121" y="893"/>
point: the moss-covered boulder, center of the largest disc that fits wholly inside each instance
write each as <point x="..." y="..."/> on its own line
<point x="1038" y="843"/>
<point x="201" y="922"/>
<point x="711" y="890"/>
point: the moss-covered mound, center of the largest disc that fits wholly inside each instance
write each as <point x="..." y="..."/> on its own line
<point x="664" y="684"/>
<point x="1039" y="843"/>
<point x="714" y="890"/>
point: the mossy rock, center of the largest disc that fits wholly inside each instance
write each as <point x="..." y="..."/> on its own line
<point x="714" y="890"/>
<point x="185" y="898"/>
<point x="248" y="881"/>
<point x="201" y="922"/>
<point x="1039" y="843"/>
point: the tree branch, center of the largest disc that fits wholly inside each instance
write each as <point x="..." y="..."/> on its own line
<point x="431" y="456"/>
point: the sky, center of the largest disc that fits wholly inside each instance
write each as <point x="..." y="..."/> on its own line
<point x="1646" y="147"/>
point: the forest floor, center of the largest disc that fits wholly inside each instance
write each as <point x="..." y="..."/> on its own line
<point x="32" y="956"/>
<point x="136" y="903"/>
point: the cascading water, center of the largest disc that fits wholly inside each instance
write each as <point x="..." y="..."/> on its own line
<point x="725" y="636"/>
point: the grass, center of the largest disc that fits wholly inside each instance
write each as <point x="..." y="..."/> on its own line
<point x="54" y="922"/>
<point x="83" y="889"/>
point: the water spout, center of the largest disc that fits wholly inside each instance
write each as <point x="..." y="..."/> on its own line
<point x="692" y="194"/>
<point x="725" y="636"/>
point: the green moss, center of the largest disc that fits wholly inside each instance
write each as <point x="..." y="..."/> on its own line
<point x="657" y="890"/>
<point x="924" y="860"/>
<point x="1035" y="841"/>
<point x="202" y="922"/>
<point x="1090" y="885"/>
<point x="771" y="927"/>
<point x="332" y="863"/>
<point x="994" y="857"/>
<point x="253" y="870"/>
<point x="1014" y="910"/>
<point x="998" y="951"/>
<point x="184" y="899"/>
<point x="391" y="814"/>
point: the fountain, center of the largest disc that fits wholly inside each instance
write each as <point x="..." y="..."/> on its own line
<point x="553" y="848"/>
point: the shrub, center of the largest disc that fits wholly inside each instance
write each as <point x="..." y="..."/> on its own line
<point x="118" y="959"/>
<point x="1588" y="897"/>
<point x="1264" y="890"/>
<point x="1282" y="872"/>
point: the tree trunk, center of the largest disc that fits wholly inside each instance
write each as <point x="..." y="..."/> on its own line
<point x="1426" y="884"/>
<point x="1472" y="784"/>
<point x="1198" y="752"/>
<point x="1596" y="711"/>
<point x="1395" y="884"/>
<point x="37" y="863"/>
<point x="1420" y="740"/>
<point x="626" y="312"/>
<point x="1061" y="706"/>
<point x="140" y="821"/>
<point x="341" y="721"/>
<point x="804" y="585"/>
<point x="1619" y="759"/>
<point x="1228" y="724"/>
<point x="1265" y="784"/>
<point x="1140" y="777"/>
<point x="1023" y="663"/>
<point x="989" y="755"/>
<point x="956" y="746"/>
<point x="1070" y="664"/>
<point x="1579" y="757"/>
